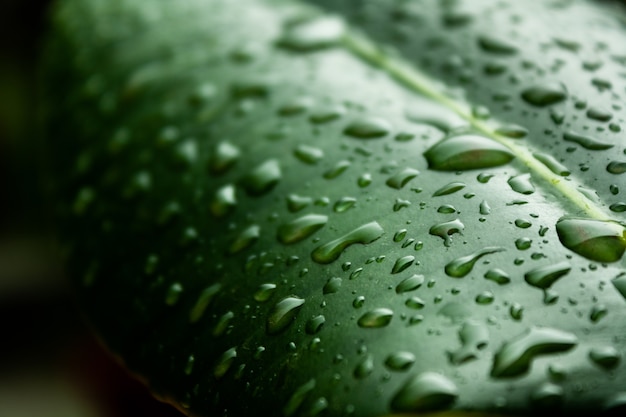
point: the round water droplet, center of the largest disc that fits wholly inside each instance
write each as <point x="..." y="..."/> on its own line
<point x="224" y="201"/>
<point x="379" y="317"/>
<point x="358" y="302"/>
<point x="282" y="314"/>
<point x="427" y="391"/>
<point x="368" y="128"/>
<point x="223" y="157"/>
<point x="314" y="324"/>
<point x="301" y="228"/>
<point x="263" y="178"/>
<point x="463" y="152"/>
<point x="173" y="293"/>
<point x="523" y="243"/>
<point x="364" y="180"/>
<point x="546" y="94"/>
<point x="601" y="241"/>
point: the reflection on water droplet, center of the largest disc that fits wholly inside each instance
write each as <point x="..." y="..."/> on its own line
<point x="521" y="184"/>
<point x="542" y="95"/>
<point x="601" y="241"/>
<point x="402" y="264"/>
<point x="263" y="178"/>
<point x="364" y="180"/>
<point x="463" y="152"/>
<point x="312" y="34"/>
<point x="379" y="317"/>
<point x="301" y="228"/>
<point x="543" y="277"/>
<point x="364" y="234"/>
<point x="332" y="285"/>
<point x="427" y="391"/>
<point x="400" y="179"/>
<point x="344" y="204"/>
<point x="410" y="284"/>
<point x="224" y="363"/>
<point x="447" y="229"/>
<point x="309" y="154"/>
<point x="606" y="357"/>
<point x="283" y="314"/>
<point x="400" y="361"/>
<point x="368" y="128"/>
<point x="462" y="266"/>
<point x="264" y="292"/>
<point x="173" y="294"/>
<point x="450" y="188"/>
<point x="358" y="302"/>
<point x="586" y="142"/>
<point x="515" y="357"/>
<point x="498" y="276"/>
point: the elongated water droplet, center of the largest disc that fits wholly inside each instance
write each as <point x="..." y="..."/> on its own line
<point x="223" y="323"/>
<point x="546" y="94"/>
<point x="344" y="204"/>
<point x="512" y="131"/>
<point x="446" y="230"/>
<point x="586" y="142"/>
<point x="312" y="34"/>
<point x="245" y="239"/>
<point x="298" y="397"/>
<point x="309" y="154"/>
<point x="515" y="357"/>
<point x="301" y="228"/>
<point x="263" y="178"/>
<point x="606" y="357"/>
<point x="327" y="114"/>
<point x="314" y="324"/>
<point x="332" y="285"/>
<point x="364" y="234"/>
<point x="601" y="241"/>
<point x="462" y="266"/>
<point x="283" y="314"/>
<point x="379" y="317"/>
<point x="450" y="188"/>
<point x="400" y="179"/>
<point x="463" y="152"/>
<point x="552" y="164"/>
<point x="368" y="128"/>
<point x="224" y="201"/>
<point x="616" y="167"/>
<point x="297" y="203"/>
<point x="224" y="156"/>
<point x="498" y="276"/>
<point x="516" y="311"/>
<point x="410" y="284"/>
<point x="204" y="300"/>
<point x="365" y="367"/>
<point x="599" y="114"/>
<point x="427" y="391"/>
<point x="497" y="46"/>
<point x="296" y="106"/>
<point x="543" y="277"/>
<point x="173" y="294"/>
<point x="224" y="363"/>
<point x="264" y="292"/>
<point x="400" y="361"/>
<point x="339" y="168"/>
<point x="619" y="283"/>
<point x="474" y="337"/>
<point x="446" y="209"/>
<point x="521" y="184"/>
<point x="402" y="264"/>
<point x="399" y="235"/>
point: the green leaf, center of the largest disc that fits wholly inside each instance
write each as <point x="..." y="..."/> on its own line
<point x="267" y="206"/>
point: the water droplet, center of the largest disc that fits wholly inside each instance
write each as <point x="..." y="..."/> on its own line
<point x="606" y="357"/>
<point x="364" y="234"/>
<point x="204" y="300"/>
<point x="355" y="274"/>
<point x="599" y="114"/>
<point x="523" y="243"/>
<point x="601" y="241"/>
<point x="358" y="302"/>
<point x="544" y="276"/>
<point x="450" y="188"/>
<point x="309" y="154"/>
<point x="283" y="314"/>
<point x="296" y="106"/>
<point x="516" y="311"/>
<point x="365" y="367"/>
<point x="344" y="204"/>
<point x="298" y="397"/>
<point x="515" y="357"/>
<point x="339" y="168"/>
<point x="314" y="324"/>
<point x="402" y="264"/>
<point x="297" y="203"/>
<point x="447" y="229"/>
<point x="484" y="298"/>
<point x="427" y="391"/>
<point x="368" y="128"/>
<point x="224" y="363"/>
<point x="410" y="284"/>
<point x="263" y="178"/>
<point x="474" y="337"/>
<point x="379" y="317"/>
<point x="484" y="208"/>
<point x="312" y="34"/>
<point x="495" y="45"/>
<point x="399" y="235"/>
<point x="332" y="285"/>
<point x="446" y="209"/>
<point x="415" y="303"/>
<point x="400" y="361"/>
<point x="463" y="152"/>
<point x="434" y="114"/>
<point x="189" y="365"/>
<point x="498" y="276"/>
<point x="264" y="292"/>
<point x="173" y="294"/>
<point x="245" y="239"/>
<point x="586" y="142"/>
<point x="552" y="164"/>
<point x="364" y="180"/>
<point x="619" y="207"/>
<point x="546" y="94"/>
<point x="223" y="323"/>
<point x="484" y="178"/>
<point x="598" y="312"/>
<point x="462" y="266"/>
<point x="301" y="228"/>
<point x="512" y="131"/>
<point x="224" y="201"/>
<point x="547" y="396"/>
<point x="400" y="179"/>
<point x="523" y="223"/>
<point x="616" y="167"/>
<point x="224" y="157"/>
<point x="327" y="114"/>
<point x="521" y="184"/>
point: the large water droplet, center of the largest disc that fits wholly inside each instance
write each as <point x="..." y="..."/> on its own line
<point x="515" y="357"/>
<point x="379" y="317"/>
<point x="545" y="94"/>
<point x="498" y="276"/>
<point x="446" y="230"/>
<point x="245" y="239"/>
<point x="601" y="241"/>
<point x="585" y="141"/>
<point x="224" y="201"/>
<point x="606" y="357"/>
<point x="616" y="167"/>
<point x="521" y="184"/>
<point x="463" y="152"/>
<point x="495" y="45"/>
<point x="283" y="314"/>
<point x="301" y="228"/>
<point x="263" y="178"/>
<point x="365" y="367"/>
<point x="462" y="266"/>
<point x="224" y="156"/>
<point x="402" y="263"/>
<point x="298" y="397"/>
<point x="309" y="154"/>
<point x="368" y="128"/>
<point x="400" y="361"/>
<point x="364" y="234"/>
<point x="427" y="391"/>
<point x="264" y="292"/>
<point x="312" y="34"/>
<point x="400" y="179"/>
<point x="544" y="276"/>
<point x="410" y="284"/>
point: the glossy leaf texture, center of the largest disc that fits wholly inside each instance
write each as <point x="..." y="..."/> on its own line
<point x="356" y="208"/>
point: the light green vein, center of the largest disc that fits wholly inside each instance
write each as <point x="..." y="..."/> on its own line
<point x="409" y="76"/>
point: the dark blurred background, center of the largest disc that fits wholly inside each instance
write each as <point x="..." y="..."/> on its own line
<point x="50" y="364"/>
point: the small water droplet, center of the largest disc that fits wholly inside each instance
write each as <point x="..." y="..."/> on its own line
<point x="484" y="298"/>
<point x="283" y="314"/>
<point x="296" y="106"/>
<point x="484" y="178"/>
<point x="301" y="228"/>
<point x="344" y="204"/>
<point x="263" y="178"/>
<point x="332" y="285"/>
<point x="512" y="131"/>
<point x="446" y="230"/>
<point x="364" y="180"/>
<point x="339" y="168"/>
<point x="544" y="276"/>
<point x="446" y="209"/>
<point x="400" y="179"/>
<point x="298" y="397"/>
<point x="598" y="312"/>
<point x="516" y="311"/>
<point x="399" y="235"/>
<point x="400" y="361"/>
<point x="245" y="239"/>
<point x="308" y="154"/>
<point x="410" y="284"/>
<point x="327" y="114"/>
<point x="450" y="188"/>
<point x="523" y="243"/>
<point x="355" y="274"/>
<point x="365" y="367"/>
<point x="415" y="303"/>
<point x="462" y="266"/>
<point x="204" y="300"/>
<point x="606" y="357"/>
<point x="545" y="94"/>
<point x="521" y="184"/>
<point x="368" y="128"/>
<point x="223" y="324"/>
<point x="402" y="263"/>
<point x="498" y="46"/>
<point x="297" y="203"/>
<point x="552" y="164"/>
<point x="364" y="234"/>
<point x="601" y="241"/>
<point x="599" y="114"/>
<point x="379" y="317"/>
<point x="427" y="391"/>
<point x="523" y="223"/>
<point x="224" y="363"/>
<point x="264" y="292"/>
<point x="224" y="201"/>
<point x="314" y="324"/>
<point x="173" y="294"/>
<point x="224" y="157"/>
<point x="464" y="152"/>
